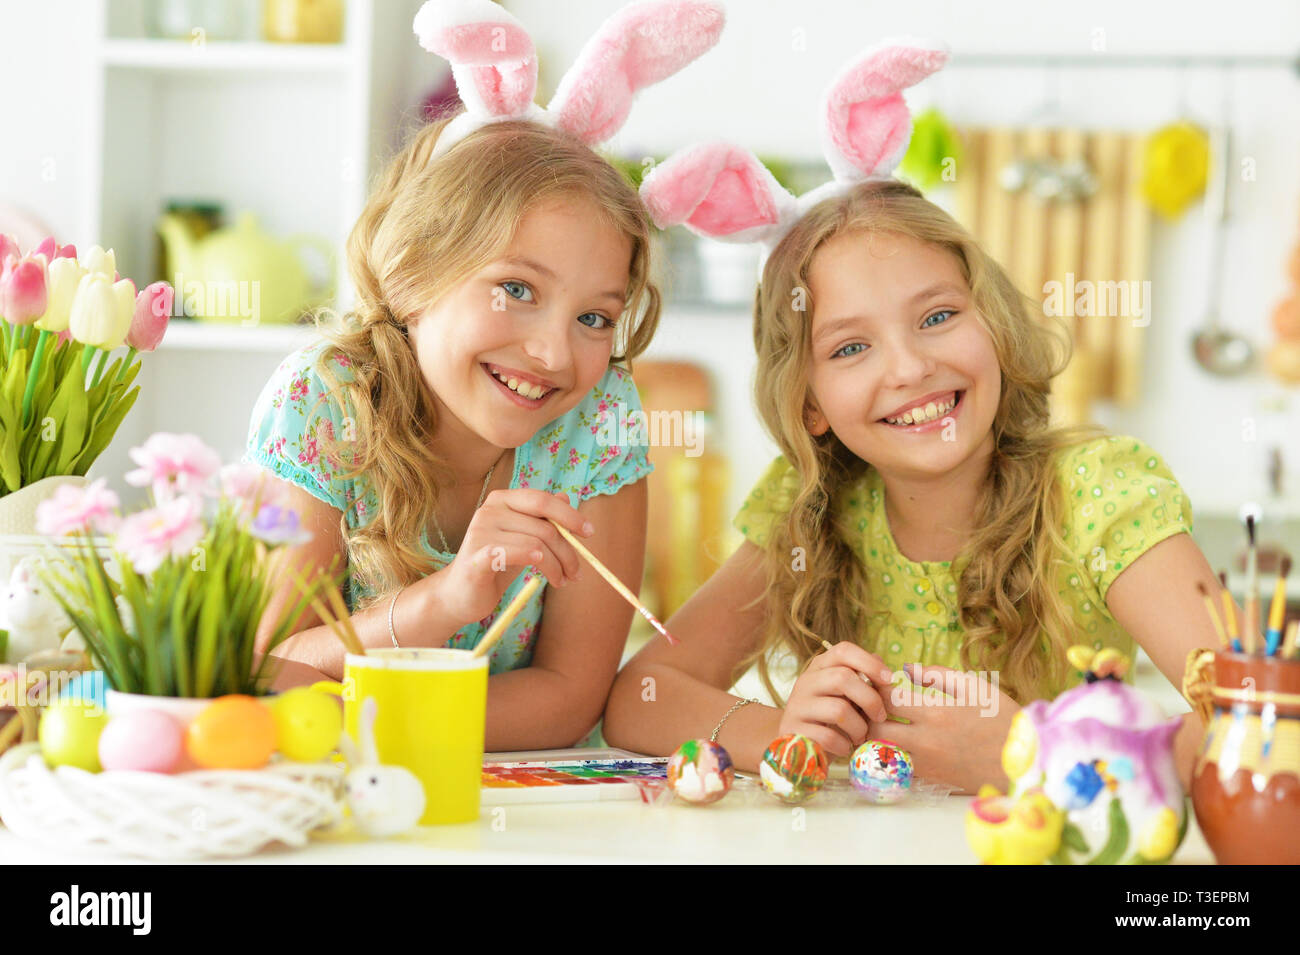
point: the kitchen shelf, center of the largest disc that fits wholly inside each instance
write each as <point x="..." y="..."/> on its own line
<point x="183" y="56"/>
<point x="187" y="334"/>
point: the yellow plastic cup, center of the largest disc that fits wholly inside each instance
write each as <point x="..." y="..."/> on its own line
<point x="431" y="708"/>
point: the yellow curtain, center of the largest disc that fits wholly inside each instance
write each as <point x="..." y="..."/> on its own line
<point x="1094" y="249"/>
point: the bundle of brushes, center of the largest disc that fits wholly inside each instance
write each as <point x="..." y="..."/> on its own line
<point x="1245" y="636"/>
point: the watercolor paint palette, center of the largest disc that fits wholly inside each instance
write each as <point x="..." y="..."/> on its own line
<point x="602" y="776"/>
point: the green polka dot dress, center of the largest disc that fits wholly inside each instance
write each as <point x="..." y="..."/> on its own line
<point x="1121" y="500"/>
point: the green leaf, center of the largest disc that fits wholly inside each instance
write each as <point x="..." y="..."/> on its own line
<point x="1113" y="851"/>
<point x="102" y="432"/>
<point x="1072" y="837"/>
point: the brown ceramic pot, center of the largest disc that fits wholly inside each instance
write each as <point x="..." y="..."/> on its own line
<point x="1246" y="784"/>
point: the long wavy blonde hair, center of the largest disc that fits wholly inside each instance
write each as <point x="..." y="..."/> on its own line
<point x="1013" y="617"/>
<point x="425" y="228"/>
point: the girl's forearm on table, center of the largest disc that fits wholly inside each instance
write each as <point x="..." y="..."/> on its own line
<point x="654" y="708"/>
<point x="535" y="708"/>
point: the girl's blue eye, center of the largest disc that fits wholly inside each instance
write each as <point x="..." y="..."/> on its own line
<point x="926" y="323"/>
<point x="518" y="290"/>
<point x="601" y="321"/>
<point x="849" y="350"/>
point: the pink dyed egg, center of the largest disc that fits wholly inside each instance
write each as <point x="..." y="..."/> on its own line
<point x="147" y="740"/>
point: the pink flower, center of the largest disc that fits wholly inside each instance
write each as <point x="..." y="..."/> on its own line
<point x="153" y="310"/>
<point x="22" y="289"/>
<point x="169" y="530"/>
<point x="52" y="250"/>
<point x="75" y="509"/>
<point x="249" y="483"/>
<point x="8" y="247"/>
<point x="172" y="463"/>
<point x="309" y="452"/>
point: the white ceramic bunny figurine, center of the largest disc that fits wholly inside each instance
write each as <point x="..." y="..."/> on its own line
<point x="385" y="800"/>
<point x="33" y="618"/>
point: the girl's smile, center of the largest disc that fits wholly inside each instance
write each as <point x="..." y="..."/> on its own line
<point x="532" y="331"/>
<point x="902" y="370"/>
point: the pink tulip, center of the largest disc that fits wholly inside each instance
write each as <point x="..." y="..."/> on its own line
<point x="153" y="310"/>
<point x="172" y="463"/>
<point x="52" y="250"/>
<point x="8" y="247"/>
<point x="169" y="530"/>
<point x="75" y="509"/>
<point x="22" y="289"/>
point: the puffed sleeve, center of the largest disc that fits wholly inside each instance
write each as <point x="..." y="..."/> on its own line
<point x="617" y="453"/>
<point x="294" y="416"/>
<point x="1121" y="500"/>
<point x="771" y="498"/>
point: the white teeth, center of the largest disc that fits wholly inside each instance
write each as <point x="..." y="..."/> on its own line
<point x="921" y="415"/>
<point x="524" y="388"/>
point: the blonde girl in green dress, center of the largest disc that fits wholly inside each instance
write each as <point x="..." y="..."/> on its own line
<point x="923" y="511"/>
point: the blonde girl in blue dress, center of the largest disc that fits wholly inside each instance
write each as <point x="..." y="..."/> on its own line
<point x="429" y="439"/>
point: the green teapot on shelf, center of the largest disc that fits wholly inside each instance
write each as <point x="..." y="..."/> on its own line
<point x="241" y="274"/>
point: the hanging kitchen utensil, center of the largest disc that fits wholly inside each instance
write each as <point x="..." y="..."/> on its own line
<point x="1217" y="350"/>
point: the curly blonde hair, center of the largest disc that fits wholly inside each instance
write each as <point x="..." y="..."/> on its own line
<point x="425" y="228"/>
<point x="1008" y="602"/>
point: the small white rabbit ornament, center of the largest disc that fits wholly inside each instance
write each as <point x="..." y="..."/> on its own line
<point x="385" y="800"/>
<point x="32" y="617"/>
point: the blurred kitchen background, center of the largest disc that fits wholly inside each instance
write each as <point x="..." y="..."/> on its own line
<point x="1113" y="142"/>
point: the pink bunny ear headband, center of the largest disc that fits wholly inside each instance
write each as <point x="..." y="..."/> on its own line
<point x="724" y="192"/>
<point x="495" y="66"/>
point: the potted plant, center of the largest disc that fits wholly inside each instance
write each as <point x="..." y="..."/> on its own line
<point x="175" y="611"/>
<point x="61" y="397"/>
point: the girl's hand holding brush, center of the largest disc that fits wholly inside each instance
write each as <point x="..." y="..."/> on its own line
<point x="511" y="531"/>
<point x="832" y="703"/>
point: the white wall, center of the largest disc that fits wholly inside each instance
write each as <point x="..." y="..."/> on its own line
<point x="760" y="86"/>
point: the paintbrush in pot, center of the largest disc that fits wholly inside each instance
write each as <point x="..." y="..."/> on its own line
<point x="1214" y="615"/>
<point x="1229" y="612"/>
<point x="1250" y="629"/>
<point x="1277" y="611"/>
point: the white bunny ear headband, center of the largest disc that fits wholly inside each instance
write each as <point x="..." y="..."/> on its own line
<point x="724" y="192"/>
<point x="495" y="66"/>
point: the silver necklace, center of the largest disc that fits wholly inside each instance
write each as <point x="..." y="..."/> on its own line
<point x="446" y="549"/>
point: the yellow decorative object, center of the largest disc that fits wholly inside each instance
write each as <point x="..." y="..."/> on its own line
<point x="1198" y="683"/>
<point x="1159" y="836"/>
<point x="1080" y="657"/>
<point x="1175" y="165"/>
<point x="1026" y="831"/>
<point x="1020" y="748"/>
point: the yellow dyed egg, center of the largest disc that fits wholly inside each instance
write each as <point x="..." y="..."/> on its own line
<point x="308" y="724"/>
<point x="69" y="734"/>
<point x="232" y="732"/>
<point x="1021" y="747"/>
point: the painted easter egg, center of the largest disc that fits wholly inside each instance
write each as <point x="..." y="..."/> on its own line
<point x="69" y="734"/>
<point x="793" y="769"/>
<point x="232" y="732"/>
<point x="308" y="723"/>
<point x="146" y="740"/>
<point x="880" y="771"/>
<point x="700" y="772"/>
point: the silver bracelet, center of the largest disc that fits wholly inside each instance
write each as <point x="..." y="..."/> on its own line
<point x="735" y="706"/>
<point x="391" y="607"/>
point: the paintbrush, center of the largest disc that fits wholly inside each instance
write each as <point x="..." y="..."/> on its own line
<point x="507" y="617"/>
<point x="614" y="582"/>
<point x="1229" y="612"/>
<point x="346" y="635"/>
<point x="1214" y="615"/>
<point x="1250" y="631"/>
<point x="1289" y="644"/>
<point x="1277" y="611"/>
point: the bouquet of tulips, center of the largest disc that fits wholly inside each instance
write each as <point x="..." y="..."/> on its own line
<point x="184" y="618"/>
<point x="61" y="401"/>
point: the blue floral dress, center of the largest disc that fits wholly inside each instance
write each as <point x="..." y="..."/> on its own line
<point x="572" y="454"/>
